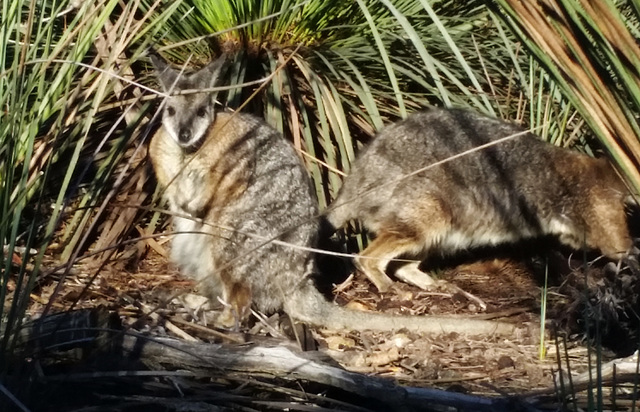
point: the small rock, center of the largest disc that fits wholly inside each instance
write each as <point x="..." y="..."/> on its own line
<point x="400" y="340"/>
<point x="339" y="343"/>
<point x="506" y="362"/>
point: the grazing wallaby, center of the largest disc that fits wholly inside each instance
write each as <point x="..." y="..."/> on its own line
<point x="246" y="215"/>
<point x="402" y="189"/>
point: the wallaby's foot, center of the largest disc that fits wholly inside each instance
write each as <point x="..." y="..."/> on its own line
<point x="387" y="246"/>
<point x="411" y="274"/>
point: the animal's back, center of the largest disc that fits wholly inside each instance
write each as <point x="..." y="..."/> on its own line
<point x="521" y="187"/>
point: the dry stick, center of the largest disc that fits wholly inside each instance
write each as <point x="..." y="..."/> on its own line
<point x="301" y="393"/>
<point x="626" y="370"/>
<point x="204" y="329"/>
<point x="113" y="50"/>
<point x="294" y="121"/>
<point x="485" y="71"/>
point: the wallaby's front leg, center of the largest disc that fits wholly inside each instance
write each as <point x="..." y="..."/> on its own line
<point x="237" y="303"/>
<point x="193" y="193"/>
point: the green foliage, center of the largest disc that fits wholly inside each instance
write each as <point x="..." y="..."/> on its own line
<point x="590" y="50"/>
<point x="60" y="141"/>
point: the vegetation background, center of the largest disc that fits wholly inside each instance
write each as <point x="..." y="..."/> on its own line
<point x="77" y="100"/>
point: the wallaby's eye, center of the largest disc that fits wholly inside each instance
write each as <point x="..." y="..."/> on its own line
<point x="171" y="111"/>
<point x="202" y="112"/>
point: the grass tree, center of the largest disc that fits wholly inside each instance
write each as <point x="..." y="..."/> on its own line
<point x="590" y="50"/>
<point x="67" y="102"/>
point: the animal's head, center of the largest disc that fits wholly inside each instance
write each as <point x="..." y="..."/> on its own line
<point x="187" y="116"/>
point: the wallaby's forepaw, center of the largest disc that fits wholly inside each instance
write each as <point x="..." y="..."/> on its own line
<point x="232" y="316"/>
<point x="227" y="319"/>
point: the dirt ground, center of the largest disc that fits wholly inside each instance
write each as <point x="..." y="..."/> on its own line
<point x="491" y="366"/>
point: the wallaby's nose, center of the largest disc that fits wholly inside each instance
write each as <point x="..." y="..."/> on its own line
<point x="184" y="135"/>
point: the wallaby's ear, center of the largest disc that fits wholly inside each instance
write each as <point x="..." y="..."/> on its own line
<point x="165" y="74"/>
<point x="209" y="76"/>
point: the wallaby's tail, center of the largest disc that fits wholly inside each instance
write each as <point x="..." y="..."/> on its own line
<point x="309" y="306"/>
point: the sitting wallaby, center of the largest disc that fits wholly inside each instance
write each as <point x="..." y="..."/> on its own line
<point x="402" y="188"/>
<point x="245" y="214"/>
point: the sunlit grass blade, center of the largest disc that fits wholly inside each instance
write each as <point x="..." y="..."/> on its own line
<point x="576" y="47"/>
<point x="384" y="54"/>
<point x="55" y="108"/>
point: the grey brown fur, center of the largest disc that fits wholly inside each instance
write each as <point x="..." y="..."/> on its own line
<point x="520" y="188"/>
<point x="240" y="179"/>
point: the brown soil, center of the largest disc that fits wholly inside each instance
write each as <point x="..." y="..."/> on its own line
<point x="150" y="296"/>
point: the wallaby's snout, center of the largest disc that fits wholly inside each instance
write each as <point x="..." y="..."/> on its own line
<point x="184" y="137"/>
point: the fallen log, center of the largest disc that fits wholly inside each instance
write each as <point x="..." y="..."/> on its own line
<point x="285" y="362"/>
<point x="110" y="353"/>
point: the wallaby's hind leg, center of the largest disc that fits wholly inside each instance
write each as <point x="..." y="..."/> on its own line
<point x="429" y="221"/>
<point x="385" y="247"/>
<point x="374" y="260"/>
<point x="410" y="231"/>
